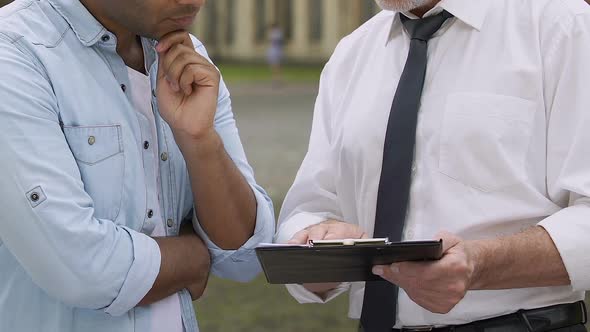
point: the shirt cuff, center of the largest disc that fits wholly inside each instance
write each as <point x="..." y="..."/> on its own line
<point x="302" y="295"/>
<point x="263" y="232"/>
<point x="569" y="229"/>
<point x="141" y="276"/>
<point x="297" y="223"/>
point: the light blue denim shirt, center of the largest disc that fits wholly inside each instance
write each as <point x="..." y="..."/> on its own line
<point x="75" y="254"/>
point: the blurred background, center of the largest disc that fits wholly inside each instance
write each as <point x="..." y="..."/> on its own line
<point x="271" y="53"/>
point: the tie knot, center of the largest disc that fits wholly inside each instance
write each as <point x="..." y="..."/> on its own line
<point x="424" y="28"/>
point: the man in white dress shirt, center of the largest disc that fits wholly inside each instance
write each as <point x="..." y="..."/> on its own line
<point x="500" y="168"/>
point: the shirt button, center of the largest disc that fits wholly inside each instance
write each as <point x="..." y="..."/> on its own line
<point x="154" y="93"/>
<point x="146" y="145"/>
<point x="34" y="197"/>
<point x="414" y="168"/>
<point x="91" y="140"/>
<point x="105" y="38"/>
<point x="123" y="87"/>
<point x="170" y="223"/>
<point x="150" y="213"/>
<point x="164" y="156"/>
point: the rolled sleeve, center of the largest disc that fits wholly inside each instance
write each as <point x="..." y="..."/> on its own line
<point x="142" y="274"/>
<point x="242" y="264"/>
<point x="569" y="230"/>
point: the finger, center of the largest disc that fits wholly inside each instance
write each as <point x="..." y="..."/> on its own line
<point x="318" y="233"/>
<point x="202" y="74"/>
<point x="166" y="59"/>
<point x="300" y="237"/>
<point x="342" y="230"/>
<point x="176" y="60"/>
<point x="186" y="81"/>
<point x="388" y="273"/>
<point x="332" y="221"/>
<point x="173" y="38"/>
<point x="197" y="75"/>
<point x="406" y="269"/>
<point x="449" y="240"/>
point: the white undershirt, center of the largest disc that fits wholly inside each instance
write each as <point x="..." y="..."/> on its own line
<point x="166" y="314"/>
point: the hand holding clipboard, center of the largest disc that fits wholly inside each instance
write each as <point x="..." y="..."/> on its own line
<point x="339" y="260"/>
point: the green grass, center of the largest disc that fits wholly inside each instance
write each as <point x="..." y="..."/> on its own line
<point x="259" y="73"/>
<point x="260" y="307"/>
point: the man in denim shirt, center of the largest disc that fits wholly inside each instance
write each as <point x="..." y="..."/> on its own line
<point x="94" y="189"/>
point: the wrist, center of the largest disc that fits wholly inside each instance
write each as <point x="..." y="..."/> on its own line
<point x="203" y="143"/>
<point x="476" y="256"/>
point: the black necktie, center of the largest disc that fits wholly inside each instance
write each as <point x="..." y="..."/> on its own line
<point x="379" y="307"/>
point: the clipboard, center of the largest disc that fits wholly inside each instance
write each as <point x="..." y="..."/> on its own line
<point x="339" y="261"/>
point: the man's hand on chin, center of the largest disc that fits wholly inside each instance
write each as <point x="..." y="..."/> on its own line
<point x="187" y="88"/>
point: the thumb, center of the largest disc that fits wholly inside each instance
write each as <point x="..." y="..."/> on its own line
<point x="449" y="240"/>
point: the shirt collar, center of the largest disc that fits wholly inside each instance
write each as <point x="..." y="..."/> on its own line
<point x="473" y="13"/>
<point x="85" y="26"/>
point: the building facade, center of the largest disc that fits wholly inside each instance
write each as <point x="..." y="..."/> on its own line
<point x="237" y="30"/>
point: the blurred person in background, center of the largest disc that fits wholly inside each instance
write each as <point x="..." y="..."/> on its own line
<point x="124" y="181"/>
<point x="465" y="121"/>
<point x="274" y="55"/>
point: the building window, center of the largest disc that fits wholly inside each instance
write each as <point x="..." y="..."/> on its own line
<point x="231" y="17"/>
<point x="315" y="15"/>
<point x="261" y="22"/>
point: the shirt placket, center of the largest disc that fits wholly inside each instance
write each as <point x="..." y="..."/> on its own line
<point x="189" y="318"/>
<point x="147" y="143"/>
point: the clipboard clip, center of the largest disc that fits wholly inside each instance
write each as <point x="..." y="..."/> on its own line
<point x="348" y="242"/>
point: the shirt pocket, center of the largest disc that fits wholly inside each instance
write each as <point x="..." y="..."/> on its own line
<point x="485" y="139"/>
<point x="98" y="151"/>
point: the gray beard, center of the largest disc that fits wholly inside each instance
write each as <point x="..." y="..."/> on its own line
<point x="401" y="5"/>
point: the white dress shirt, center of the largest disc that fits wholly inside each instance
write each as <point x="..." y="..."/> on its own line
<point x="166" y="313"/>
<point x="503" y="141"/>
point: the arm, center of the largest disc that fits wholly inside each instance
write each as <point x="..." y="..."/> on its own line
<point x="225" y="200"/>
<point x="527" y="259"/>
<point x="86" y="262"/>
<point x="501" y="263"/>
<point x="179" y="269"/>
<point x="225" y="192"/>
